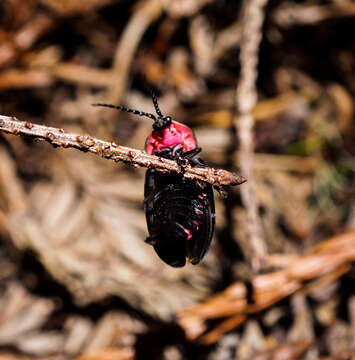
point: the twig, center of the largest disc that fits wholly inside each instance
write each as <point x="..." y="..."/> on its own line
<point x="25" y="38"/>
<point x="127" y="46"/>
<point x="110" y="150"/>
<point x="81" y="74"/>
<point x="246" y="98"/>
<point x="291" y="13"/>
<point x="15" y="78"/>
<point x="320" y="267"/>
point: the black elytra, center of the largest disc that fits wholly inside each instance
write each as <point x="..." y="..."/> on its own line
<point x="180" y="217"/>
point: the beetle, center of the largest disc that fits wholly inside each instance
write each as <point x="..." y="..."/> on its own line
<point x="180" y="212"/>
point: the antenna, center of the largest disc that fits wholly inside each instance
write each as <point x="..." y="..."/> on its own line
<point x="136" y="112"/>
<point x="155" y="102"/>
<point x="160" y="122"/>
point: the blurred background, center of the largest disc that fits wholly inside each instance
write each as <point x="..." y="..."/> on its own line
<point x="77" y="279"/>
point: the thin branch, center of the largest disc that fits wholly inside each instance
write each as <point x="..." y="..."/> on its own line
<point x="109" y="150"/>
<point x="139" y="22"/>
<point x="246" y="98"/>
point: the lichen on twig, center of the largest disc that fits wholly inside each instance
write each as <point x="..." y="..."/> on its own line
<point x="109" y="150"/>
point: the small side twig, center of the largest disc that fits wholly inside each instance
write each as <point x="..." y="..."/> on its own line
<point x="112" y="151"/>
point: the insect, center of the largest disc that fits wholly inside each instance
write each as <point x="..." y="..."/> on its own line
<point x="180" y="212"/>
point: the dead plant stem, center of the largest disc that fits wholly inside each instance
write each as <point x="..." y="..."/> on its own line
<point x="246" y="98"/>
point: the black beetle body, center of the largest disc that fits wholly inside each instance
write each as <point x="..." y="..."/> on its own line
<point x="180" y="212"/>
<point x="180" y="217"/>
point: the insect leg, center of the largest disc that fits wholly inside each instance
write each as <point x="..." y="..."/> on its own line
<point x="190" y="156"/>
<point x="191" y="153"/>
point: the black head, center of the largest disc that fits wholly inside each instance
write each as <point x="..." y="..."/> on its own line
<point x="160" y="121"/>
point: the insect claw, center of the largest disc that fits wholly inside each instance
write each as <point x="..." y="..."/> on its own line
<point x="193" y="260"/>
<point x="149" y="240"/>
<point x="183" y="163"/>
<point x="222" y="192"/>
